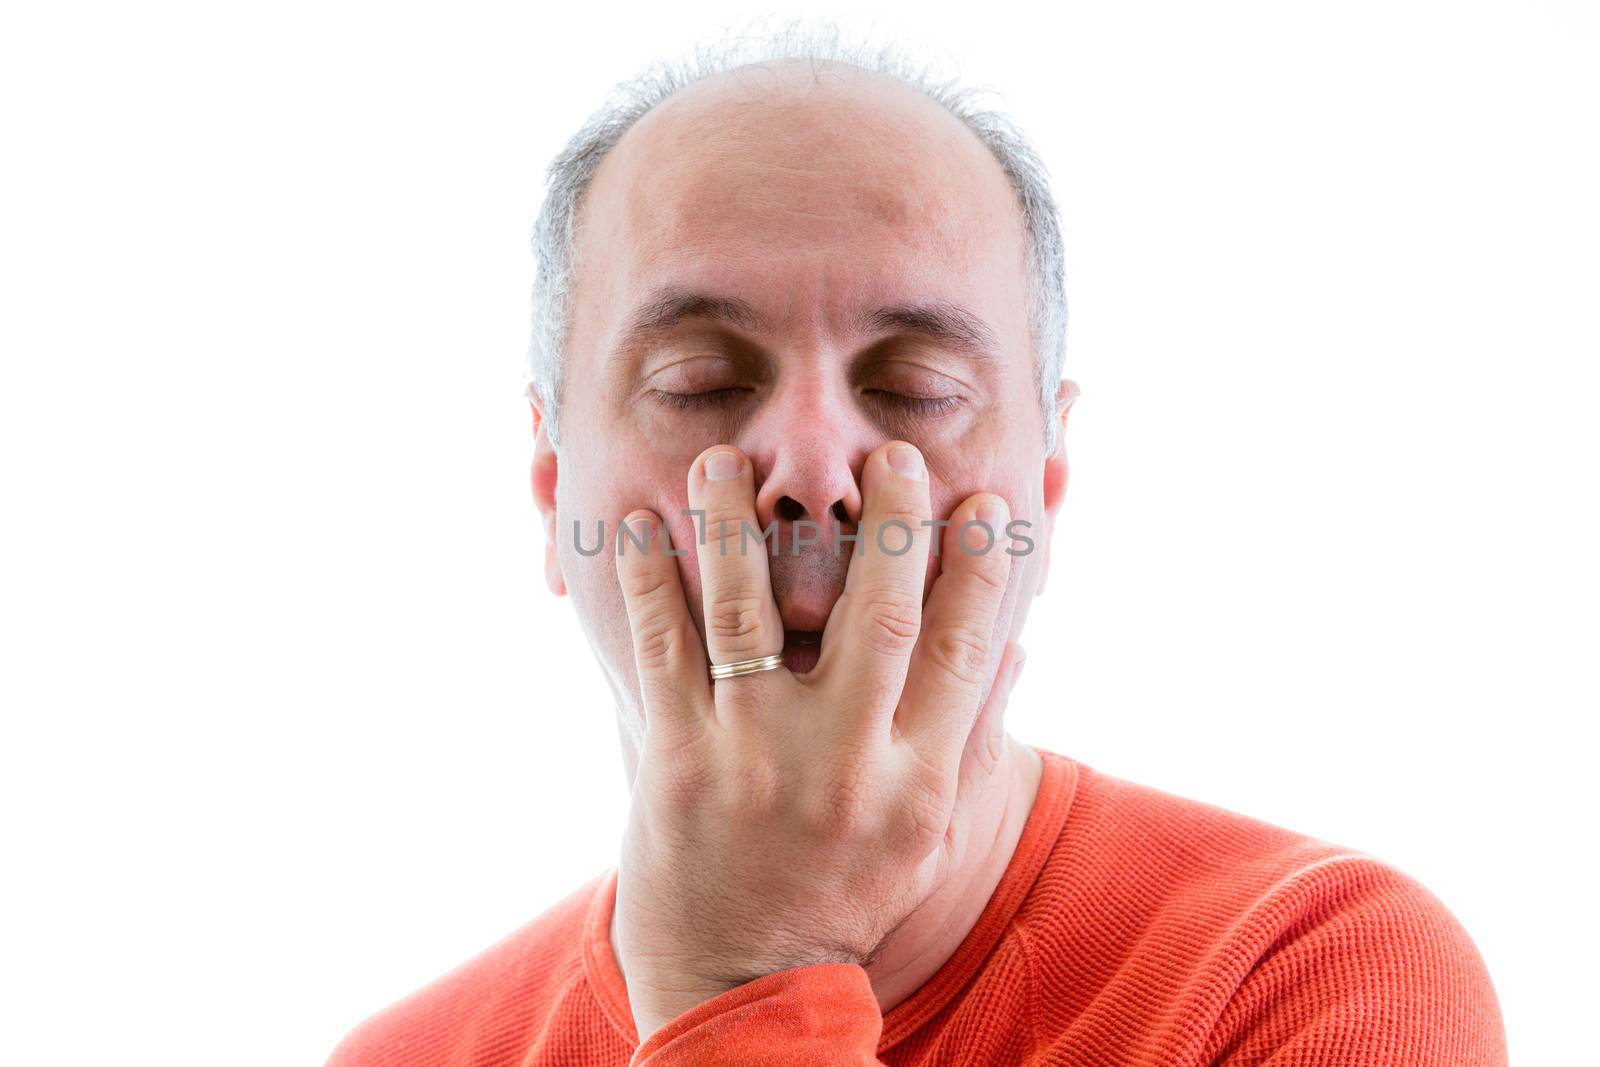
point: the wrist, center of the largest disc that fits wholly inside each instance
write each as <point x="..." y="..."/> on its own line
<point x="654" y="1006"/>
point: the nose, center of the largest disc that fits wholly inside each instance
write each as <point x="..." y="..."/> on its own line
<point x="807" y="448"/>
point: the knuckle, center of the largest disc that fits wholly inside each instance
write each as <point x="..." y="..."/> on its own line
<point x="990" y="750"/>
<point x="735" y="619"/>
<point x="725" y="529"/>
<point x="990" y="571"/>
<point x="924" y="811"/>
<point x="757" y="787"/>
<point x="845" y="808"/>
<point x="655" y="622"/>
<point x="926" y="824"/>
<point x="898" y="524"/>
<point x="893" y="619"/>
<point x="683" y="782"/>
<point x="655" y="645"/>
<point x="961" y="651"/>
<point x="643" y="584"/>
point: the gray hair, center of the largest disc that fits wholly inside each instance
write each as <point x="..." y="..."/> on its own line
<point x="569" y="175"/>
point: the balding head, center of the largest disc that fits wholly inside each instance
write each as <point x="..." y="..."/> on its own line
<point x="794" y="151"/>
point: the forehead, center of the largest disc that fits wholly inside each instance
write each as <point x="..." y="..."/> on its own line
<point x="808" y="193"/>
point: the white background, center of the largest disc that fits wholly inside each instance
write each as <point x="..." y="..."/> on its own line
<point x="292" y="725"/>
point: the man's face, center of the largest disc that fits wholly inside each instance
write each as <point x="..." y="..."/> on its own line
<point x="804" y="267"/>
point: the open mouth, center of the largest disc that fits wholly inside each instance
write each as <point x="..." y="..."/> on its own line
<point x="801" y="649"/>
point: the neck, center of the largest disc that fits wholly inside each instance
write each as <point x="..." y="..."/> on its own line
<point x="918" y="947"/>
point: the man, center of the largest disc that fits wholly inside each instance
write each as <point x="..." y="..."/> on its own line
<point x="818" y="298"/>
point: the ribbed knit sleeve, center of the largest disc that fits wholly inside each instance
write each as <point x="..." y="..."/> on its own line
<point x="1366" y="968"/>
<point x="824" y="1015"/>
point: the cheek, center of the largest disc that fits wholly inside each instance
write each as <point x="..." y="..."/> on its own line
<point x="590" y="509"/>
<point x="987" y="466"/>
<point x="591" y="575"/>
<point x="953" y="484"/>
<point x="619" y="485"/>
<point x="1021" y="533"/>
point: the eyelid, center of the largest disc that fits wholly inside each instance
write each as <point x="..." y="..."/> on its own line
<point x="694" y="373"/>
<point x="687" y="357"/>
<point x="930" y="406"/>
<point x="929" y="370"/>
<point x="914" y="376"/>
<point x="705" y="399"/>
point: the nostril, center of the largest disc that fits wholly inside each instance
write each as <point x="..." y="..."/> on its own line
<point x="839" y="512"/>
<point x="789" y="509"/>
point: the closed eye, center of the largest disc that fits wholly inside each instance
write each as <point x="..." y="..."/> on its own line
<point x="903" y="403"/>
<point x="711" y="398"/>
<point x="930" y="406"/>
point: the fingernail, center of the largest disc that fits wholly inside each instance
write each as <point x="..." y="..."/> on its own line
<point x="1016" y="671"/>
<point x="992" y="513"/>
<point x="907" y="461"/>
<point x="722" y="466"/>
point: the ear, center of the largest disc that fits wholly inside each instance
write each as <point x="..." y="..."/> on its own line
<point x="1055" y="473"/>
<point x="544" y="496"/>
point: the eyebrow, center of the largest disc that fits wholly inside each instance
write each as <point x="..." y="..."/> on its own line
<point x="666" y="308"/>
<point x="940" y="320"/>
<point x="943" y="322"/>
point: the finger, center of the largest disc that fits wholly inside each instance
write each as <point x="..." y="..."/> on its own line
<point x="741" y="618"/>
<point x="951" y="664"/>
<point x="985" y="743"/>
<point x="867" y="643"/>
<point x="980" y="759"/>
<point x="673" y="679"/>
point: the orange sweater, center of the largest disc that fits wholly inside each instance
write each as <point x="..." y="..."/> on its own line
<point x="1131" y="927"/>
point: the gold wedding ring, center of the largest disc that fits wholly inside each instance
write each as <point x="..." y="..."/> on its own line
<point x="746" y="666"/>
